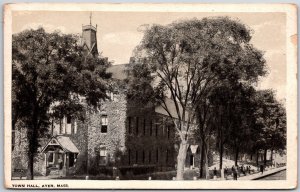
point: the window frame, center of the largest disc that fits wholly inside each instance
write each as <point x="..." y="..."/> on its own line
<point x="104" y="124"/>
<point x="101" y="149"/>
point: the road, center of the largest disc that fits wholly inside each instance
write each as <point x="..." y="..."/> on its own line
<point x="277" y="176"/>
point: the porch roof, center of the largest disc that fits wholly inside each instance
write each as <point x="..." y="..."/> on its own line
<point x="64" y="142"/>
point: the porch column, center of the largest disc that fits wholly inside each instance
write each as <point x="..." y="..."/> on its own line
<point x="193" y="161"/>
<point x="45" y="168"/>
<point x="65" y="159"/>
<point x="65" y="169"/>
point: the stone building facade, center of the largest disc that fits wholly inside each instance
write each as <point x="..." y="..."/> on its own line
<point x="118" y="135"/>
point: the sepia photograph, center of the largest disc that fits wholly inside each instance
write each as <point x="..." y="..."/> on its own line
<point x="150" y="96"/>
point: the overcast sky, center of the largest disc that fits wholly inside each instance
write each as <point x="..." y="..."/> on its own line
<point x="118" y="33"/>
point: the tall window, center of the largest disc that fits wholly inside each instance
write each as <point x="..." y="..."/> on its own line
<point x="149" y="156"/>
<point x="68" y="119"/>
<point x="156" y="129"/>
<point x="151" y="127"/>
<point x="144" y="126"/>
<point x="75" y="126"/>
<point x="136" y="156"/>
<point x="129" y="156"/>
<point x="104" y="123"/>
<point x="167" y="156"/>
<point x="103" y="155"/>
<point x="129" y="125"/>
<point x="156" y="155"/>
<point x="68" y="125"/>
<point x="168" y="131"/>
<point x="143" y="156"/>
<point x="137" y="125"/>
<point x="60" y="126"/>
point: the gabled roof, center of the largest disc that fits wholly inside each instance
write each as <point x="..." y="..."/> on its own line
<point x="64" y="142"/>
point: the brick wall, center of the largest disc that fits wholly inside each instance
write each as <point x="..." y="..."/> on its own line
<point x="150" y="137"/>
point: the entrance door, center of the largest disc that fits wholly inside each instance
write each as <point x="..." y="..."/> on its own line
<point x="71" y="159"/>
<point x="191" y="160"/>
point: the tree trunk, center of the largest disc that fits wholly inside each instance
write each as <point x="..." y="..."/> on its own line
<point x="257" y="155"/>
<point x="236" y="157"/>
<point x="29" y="174"/>
<point x="206" y="163"/>
<point x="265" y="157"/>
<point x="32" y="139"/>
<point x="271" y="158"/>
<point x="30" y="153"/>
<point x="201" y="160"/>
<point x="221" y="154"/>
<point x="181" y="159"/>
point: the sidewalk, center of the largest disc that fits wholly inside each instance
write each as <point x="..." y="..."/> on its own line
<point x="256" y="175"/>
<point x="259" y="175"/>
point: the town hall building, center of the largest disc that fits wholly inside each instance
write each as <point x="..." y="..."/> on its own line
<point x="119" y="135"/>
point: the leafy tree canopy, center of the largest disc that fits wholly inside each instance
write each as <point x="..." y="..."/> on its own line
<point x="50" y="76"/>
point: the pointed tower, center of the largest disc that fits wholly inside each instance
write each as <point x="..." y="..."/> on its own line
<point x="89" y="38"/>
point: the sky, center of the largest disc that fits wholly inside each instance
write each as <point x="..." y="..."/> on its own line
<point x="119" y="32"/>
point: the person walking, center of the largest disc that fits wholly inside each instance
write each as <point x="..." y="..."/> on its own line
<point x="243" y="170"/>
<point x="262" y="169"/>
<point x="225" y="172"/>
<point x="235" y="169"/>
<point x="215" y="173"/>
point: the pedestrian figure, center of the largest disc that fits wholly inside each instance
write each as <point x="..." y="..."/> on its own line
<point x="225" y="172"/>
<point x="262" y="169"/>
<point x="235" y="173"/>
<point x="215" y="173"/>
<point x="243" y="170"/>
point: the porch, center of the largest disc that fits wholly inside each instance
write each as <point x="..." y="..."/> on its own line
<point x="60" y="155"/>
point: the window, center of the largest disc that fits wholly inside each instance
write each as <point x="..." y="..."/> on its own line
<point x="75" y="127"/>
<point x="137" y="125"/>
<point x="103" y="155"/>
<point x="104" y="123"/>
<point x="110" y="95"/>
<point x="60" y="126"/>
<point x="156" y="155"/>
<point x="52" y="127"/>
<point x="151" y="127"/>
<point x="167" y="156"/>
<point x="136" y="157"/>
<point x="149" y="156"/>
<point x="143" y="157"/>
<point x="68" y="125"/>
<point x="129" y="125"/>
<point x="156" y="129"/>
<point x="144" y="127"/>
<point x="129" y="156"/>
<point x="68" y="119"/>
<point x="168" y="131"/>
